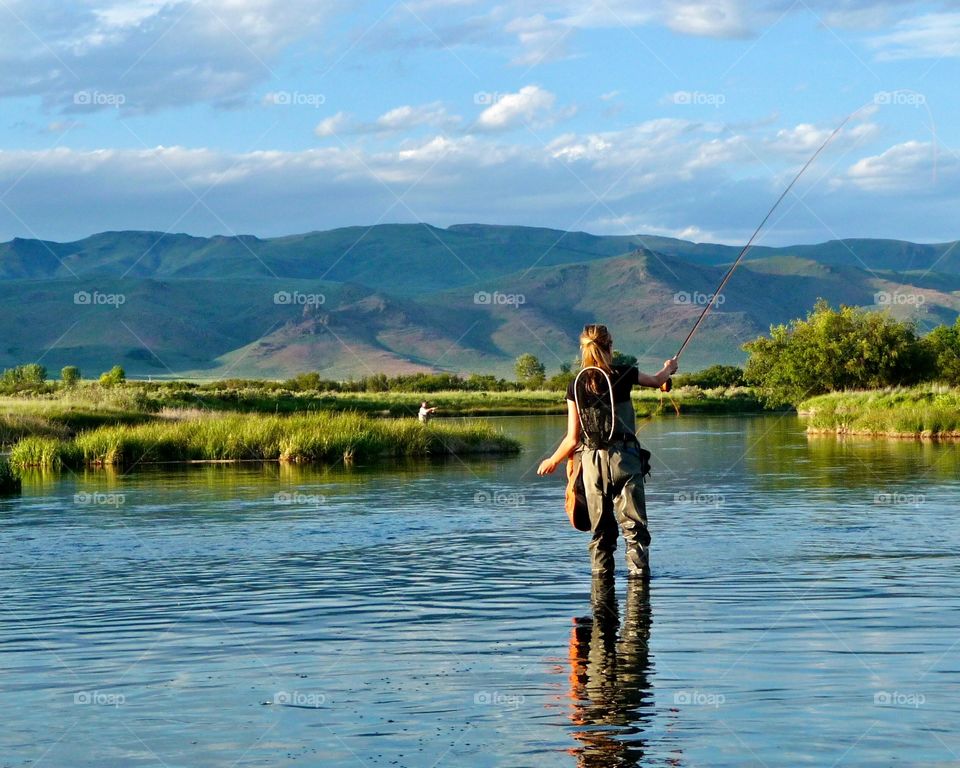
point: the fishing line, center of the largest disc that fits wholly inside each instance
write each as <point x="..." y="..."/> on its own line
<point x="713" y="297"/>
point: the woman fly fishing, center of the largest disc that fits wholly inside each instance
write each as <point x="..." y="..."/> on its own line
<point x="601" y="438"/>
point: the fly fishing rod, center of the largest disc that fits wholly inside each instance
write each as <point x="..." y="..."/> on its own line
<point x="668" y="384"/>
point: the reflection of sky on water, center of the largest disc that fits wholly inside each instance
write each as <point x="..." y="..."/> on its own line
<point x="421" y="613"/>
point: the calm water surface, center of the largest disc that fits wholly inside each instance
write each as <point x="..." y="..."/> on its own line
<point x="804" y="610"/>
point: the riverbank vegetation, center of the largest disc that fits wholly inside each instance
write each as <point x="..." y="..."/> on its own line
<point x="849" y="349"/>
<point x="243" y="437"/>
<point x="926" y="411"/>
<point x="65" y="412"/>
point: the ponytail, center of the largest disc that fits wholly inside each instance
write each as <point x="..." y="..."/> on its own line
<point x="596" y="351"/>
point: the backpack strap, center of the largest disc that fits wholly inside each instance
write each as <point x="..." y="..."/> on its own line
<point x="602" y="440"/>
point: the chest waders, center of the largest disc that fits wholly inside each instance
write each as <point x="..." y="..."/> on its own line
<point x="612" y="466"/>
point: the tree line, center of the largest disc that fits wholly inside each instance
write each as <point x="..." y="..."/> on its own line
<point x="848" y="348"/>
<point x="828" y="350"/>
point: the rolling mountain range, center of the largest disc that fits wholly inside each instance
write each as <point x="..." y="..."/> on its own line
<point x="412" y="297"/>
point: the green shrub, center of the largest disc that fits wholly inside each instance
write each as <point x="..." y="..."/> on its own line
<point x="832" y="350"/>
<point x="70" y="375"/>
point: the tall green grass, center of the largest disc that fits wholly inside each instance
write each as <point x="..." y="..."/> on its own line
<point x="62" y="415"/>
<point x="921" y="411"/>
<point x="298" y="438"/>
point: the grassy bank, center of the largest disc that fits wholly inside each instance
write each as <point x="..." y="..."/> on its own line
<point x="65" y="412"/>
<point x="299" y="438"/>
<point x="647" y="403"/>
<point x="926" y="411"/>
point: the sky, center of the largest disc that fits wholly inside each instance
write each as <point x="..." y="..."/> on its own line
<point x="685" y="119"/>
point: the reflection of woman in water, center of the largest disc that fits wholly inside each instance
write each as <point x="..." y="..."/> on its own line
<point x="610" y="678"/>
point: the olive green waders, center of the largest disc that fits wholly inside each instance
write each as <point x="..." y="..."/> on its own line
<point x="613" y="479"/>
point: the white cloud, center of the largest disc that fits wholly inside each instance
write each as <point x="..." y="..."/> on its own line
<point x="155" y="53"/>
<point x="406" y="117"/>
<point x="333" y="126"/>
<point x="683" y="177"/>
<point x="931" y="36"/>
<point x="804" y="139"/>
<point x="913" y="166"/>
<point x="397" y="120"/>
<point x="541" y="39"/>
<point x="530" y="105"/>
<point x="714" y="18"/>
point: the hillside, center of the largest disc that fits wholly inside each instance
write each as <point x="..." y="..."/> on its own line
<point x="403" y="298"/>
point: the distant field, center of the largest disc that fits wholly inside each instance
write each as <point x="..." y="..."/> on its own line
<point x="64" y="415"/>
<point x="926" y="411"/>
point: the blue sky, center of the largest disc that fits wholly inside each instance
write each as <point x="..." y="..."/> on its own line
<point x="675" y="118"/>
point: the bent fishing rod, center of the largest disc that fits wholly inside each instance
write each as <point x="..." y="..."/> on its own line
<point x="668" y="384"/>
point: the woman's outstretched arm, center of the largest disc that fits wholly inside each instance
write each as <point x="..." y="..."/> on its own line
<point x="567" y="445"/>
<point x="669" y="368"/>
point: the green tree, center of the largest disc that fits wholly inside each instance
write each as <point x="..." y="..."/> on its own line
<point x="943" y="346"/>
<point x="115" y="375"/>
<point x="561" y="381"/>
<point x="530" y="371"/>
<point x="849" y="348"/>
<point x="23" y="377"/>
<point x="712" y="377"/>
<point x="34" y="374"/>
<point x="70" y="375"/>
<point x="619" y="358"/>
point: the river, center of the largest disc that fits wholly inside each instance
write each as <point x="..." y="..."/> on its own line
<point x="803" y="611"/>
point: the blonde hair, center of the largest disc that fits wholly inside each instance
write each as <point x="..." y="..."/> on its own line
<point x="596" y="350"/>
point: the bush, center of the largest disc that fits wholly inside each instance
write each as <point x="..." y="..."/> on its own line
<point x="715" y="376"/>
<point x="32" y="377"/>
<point x="849" y="348"/>
<point x="114" y="376"/>
<point x="70" y="375"/>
